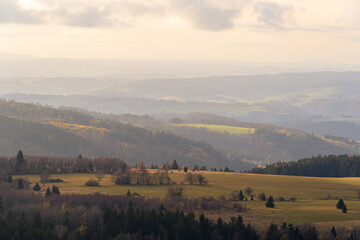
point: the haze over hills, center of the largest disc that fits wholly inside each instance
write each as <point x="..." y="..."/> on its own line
<point x="41" y="130"/>
<point x="325" y="103"/>
<point x="64" y="132"/>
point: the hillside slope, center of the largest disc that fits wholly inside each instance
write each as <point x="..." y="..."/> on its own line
<point x="39" y="130"/>
<point x="267" y="144"/>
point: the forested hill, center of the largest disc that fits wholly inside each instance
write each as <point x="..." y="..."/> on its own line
<point x="320" y="166"/>
<point x="40" y="130"/>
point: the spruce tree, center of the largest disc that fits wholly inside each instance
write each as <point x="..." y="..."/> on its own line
<point x="270" y="202"/>
<point x="55" y="190"/>
<point x="37" y="187"/>
<point x="174" y="165"/>
<point x="340" y="204"/>
<point x="333" y="232"/>
<point x="19" y="161"/>
<point x="241" y="195"/>
<point x="48" y="193"/>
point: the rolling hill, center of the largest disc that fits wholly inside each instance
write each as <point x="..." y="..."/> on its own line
<point x="40" y="130"/>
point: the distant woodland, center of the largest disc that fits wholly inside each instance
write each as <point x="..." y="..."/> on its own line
<point x="39" y="130"/>
<point x="320" y="166"/>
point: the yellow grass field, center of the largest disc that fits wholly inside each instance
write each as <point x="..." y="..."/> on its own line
<point x="311" y="205"/>
<point x="220" y="128"/>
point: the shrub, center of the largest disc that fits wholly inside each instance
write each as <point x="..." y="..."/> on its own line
<point x="262" y="197"/>
<point x="292" y="199"/>
<point x="281" y="199"/>
<point x="55" y="180"/>
<point x="92" y="183"/>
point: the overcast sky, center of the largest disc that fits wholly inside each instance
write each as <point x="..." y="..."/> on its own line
<point x="222" y="30"/>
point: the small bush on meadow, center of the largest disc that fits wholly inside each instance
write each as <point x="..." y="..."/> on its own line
<point x="92" y="183"/>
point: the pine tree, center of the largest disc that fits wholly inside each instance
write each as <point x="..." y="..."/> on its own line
<point x="37" y="187"/>
<point x="174" y="165"/>
<point x="55" y="190"/>
<point x="19" y="161"/>
<point x="270" y="202"/>
<point x="185" y="169"/>
<point x="340" y="204"/>
<point x="333" y="232"/>
<point x="241" y="195"/>
<point x="48" y="193"/>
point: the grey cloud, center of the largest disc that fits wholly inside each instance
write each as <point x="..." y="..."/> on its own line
<point x="88" y="17"/>
<point x="209" y="15"/>
<point x="273" y="14"/>
<point x="10" y="12"/>
<point x="205" y="16"/>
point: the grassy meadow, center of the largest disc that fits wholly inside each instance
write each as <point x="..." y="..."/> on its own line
<point x="312" y="204"/>
<point x="220" y="128"/>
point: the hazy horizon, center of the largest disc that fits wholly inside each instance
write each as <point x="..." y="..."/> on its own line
<point x="224" y="31"/>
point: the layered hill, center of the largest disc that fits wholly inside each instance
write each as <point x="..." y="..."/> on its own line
<point x="39" y="130"/>
<point x="256" y="142"/>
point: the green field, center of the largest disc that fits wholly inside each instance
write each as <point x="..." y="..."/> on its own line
<point x="310" y="193"/>
<point x="220" y="128"/>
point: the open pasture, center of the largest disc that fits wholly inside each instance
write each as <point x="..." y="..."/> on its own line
<point x="315" y="197"/>
<point x="220" y="128"/>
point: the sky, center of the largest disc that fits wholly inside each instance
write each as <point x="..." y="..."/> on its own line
<point x="211" y="30"/>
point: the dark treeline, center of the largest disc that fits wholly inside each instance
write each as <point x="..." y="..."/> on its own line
<point x="320" y="166"/>
<point x="28" y="215"/>
<point x="36" y="165"/>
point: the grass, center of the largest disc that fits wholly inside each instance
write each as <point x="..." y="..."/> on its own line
<point x="310" y="193"/>
<point x="220" y="128"/>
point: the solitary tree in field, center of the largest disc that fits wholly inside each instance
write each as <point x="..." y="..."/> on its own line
<point x="241" y="195"/>
<point x="270" y="202"/>
<point x="333" y="232"/>
<point x="340" y="204"/>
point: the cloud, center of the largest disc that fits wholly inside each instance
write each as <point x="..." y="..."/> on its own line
<point x="273" y="15"/>
<point x="85" y="17"/>
<point x="207" y="15"/>
<point x="11" y="12"/>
